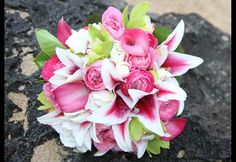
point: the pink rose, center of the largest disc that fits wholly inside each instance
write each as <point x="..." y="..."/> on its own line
<point x="106" y="138"/>
<point x="93" y="78"/>
<point x="168" y="109"/>
<point x="50" y="66"/>
<point x="139" y="62"/>
<point x="112" y="21"/>
<point x="152" y="40"/>
<point x="69" y="97"/>
<point x="138" y="79"/>
<point x="135" y="42"/>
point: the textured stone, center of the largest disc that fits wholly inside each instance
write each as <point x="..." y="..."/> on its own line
<point x="207" y="136"/>
<point x="49" y="151"/>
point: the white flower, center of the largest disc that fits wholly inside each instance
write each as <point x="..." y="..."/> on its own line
<point x="79" y="41"/>
<point x="122" y="68"/>
<point x="72" y="134"/>
<point x="117" y="53"/>
<point x="99" y="98"/>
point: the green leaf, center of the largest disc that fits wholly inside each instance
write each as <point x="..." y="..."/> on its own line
<point x="164" y="144"/>
<point x="139" y="10"/>
<point x="137" y="23"/>
<point x="42" y="98"/>
<point x="107" y="46"/>
<point x="47" y="42"/>
<point x="44" y="107"/>
<point x="95" y="33"/>
<point x="105" y="34"/>
<point x="125" y="18"/>
<point x="162" y="32"/>
<point x="135" y="129"/>
<point x="154" y="147"/>
<point x="40" y="59"/>
<point x="101" y="50"/>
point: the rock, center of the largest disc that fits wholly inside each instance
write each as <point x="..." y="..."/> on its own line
<point x="207" y="135"/>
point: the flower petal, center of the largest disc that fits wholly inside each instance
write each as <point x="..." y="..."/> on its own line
<point x="51" y="118"/>
<point x="135" y="95"/>
<point x="114" y="113"/>
<point x="122" y="136"/>
<point x="62" y="54"/>
<point x="181" y="63"/>
<point x="174" y="39"/>
<point x="63" y="31"/>
<point x="174" y="127"/>
<point x="169" y="91"/>
<point x="80" y="132"/>
<point x="142" y="144"/>
<point x="109" y="74"/>
<point x="162" y="54"/>
<point x="71" y="97"/>
<point x="149" y="114"/>
<point x="100" y="153"/>
<point x="181" y="108"/>
<point x="93" y="133"/>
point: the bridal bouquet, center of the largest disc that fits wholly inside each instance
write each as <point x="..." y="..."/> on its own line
<point x="113" y="84"/>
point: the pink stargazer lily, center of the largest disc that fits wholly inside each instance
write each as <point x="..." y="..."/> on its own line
<point x="72" y="71"/>
<point x="177" y="63"/>
<point x="63" y="31"/>
<point x="109" y="74"/>
<point x="117" y="113"/>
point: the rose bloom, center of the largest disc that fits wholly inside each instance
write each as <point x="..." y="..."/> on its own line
<point x="106" y="138"/>
<point x="152" y="40"/>
<point x="138" y="79"/>
<point x="168" y="109"/>
<point x="142" y="62"/>
<point x="93" y="78"/>
<point x="50" y="66"/>
<point x="139" y="62"/>
<point x="112" y="21"/>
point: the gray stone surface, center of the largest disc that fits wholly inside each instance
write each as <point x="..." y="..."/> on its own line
<point x="207" y="136"/>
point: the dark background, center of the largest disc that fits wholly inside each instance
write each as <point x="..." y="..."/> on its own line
<point x="207" y="136"/>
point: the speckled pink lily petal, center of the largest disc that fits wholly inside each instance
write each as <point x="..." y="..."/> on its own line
<point x="179" y="63"/>
<point x="122" y="136"/>
<point x="114" y="113"/>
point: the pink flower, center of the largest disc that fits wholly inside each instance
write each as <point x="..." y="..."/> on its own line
<point x="112" y="21"/>
<point x="50" y="66"/>
<point x="152" y="40"/>
<point x="135" y="42"/>
<point x="139" y="62"/>
<point x="69" y="97"/>
<point x="93" y="78"/>
<point x="106" y="138"/>
<point x="140" y="80"/>
<point x="168" y="109"/>
<point x="174" y="127"/>
<point x="63" y="31"/>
